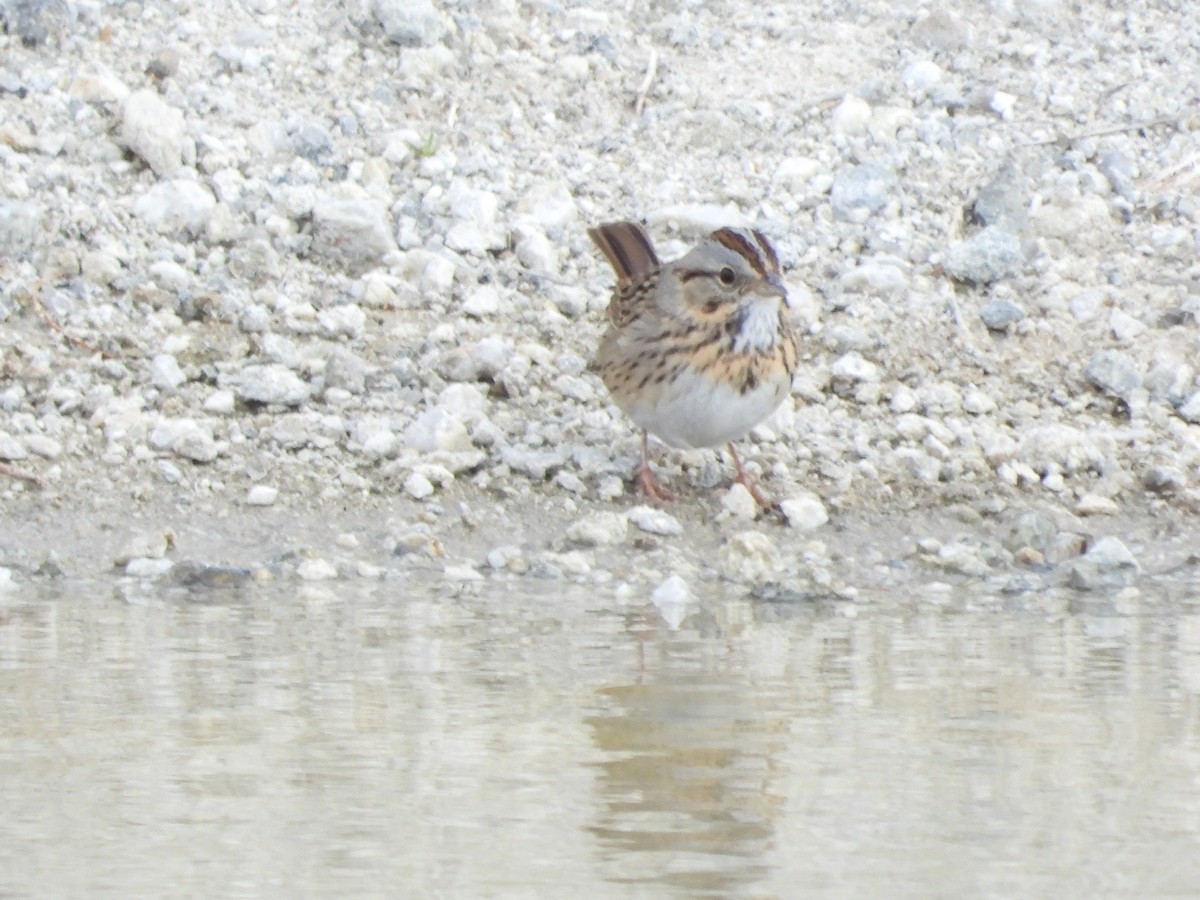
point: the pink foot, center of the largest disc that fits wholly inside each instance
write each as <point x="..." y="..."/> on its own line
<point x="648" y="485"/>
<point x="744" y="479"/>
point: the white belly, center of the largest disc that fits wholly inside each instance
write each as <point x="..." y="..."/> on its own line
<point x="694" y="411"/>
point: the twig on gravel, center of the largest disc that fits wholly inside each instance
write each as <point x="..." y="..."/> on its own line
<point x="644" y="90"/>
<point x="1069" y="140"/>
<point x="21" y="475"/>
<point x="55" y="325"/>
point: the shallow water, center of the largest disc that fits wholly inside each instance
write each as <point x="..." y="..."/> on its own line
<point x="393" y="740"/>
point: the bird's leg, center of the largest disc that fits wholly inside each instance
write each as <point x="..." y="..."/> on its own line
<point x="747" y="482"/>
<point x="646" y="482"/>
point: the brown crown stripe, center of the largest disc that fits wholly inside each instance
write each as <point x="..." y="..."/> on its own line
<point x="772" y="258"/>
<point x="737" y="242"/>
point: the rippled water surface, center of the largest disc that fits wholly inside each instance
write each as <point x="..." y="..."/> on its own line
<point x="412" y="741"/>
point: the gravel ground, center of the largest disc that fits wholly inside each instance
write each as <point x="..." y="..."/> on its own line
<point x="304" y="290"/>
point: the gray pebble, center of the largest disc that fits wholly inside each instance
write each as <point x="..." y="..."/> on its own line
<point x="988" y="256"/>
<point x="1000" y="315"/>
<point x="1114" y="373"/>
<point x="860" y="189"/>
<point x="1107" y="565"/>
<point x="272" y="384"/>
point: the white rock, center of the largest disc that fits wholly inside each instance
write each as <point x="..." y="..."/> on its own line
<point x="852" y="367"/>
<point x="549" y="204"/>
<point x="354" y="233"/>
<point x="794" y="172"/>
<point x="262" y="495"/>
<point x="220" y="402"/>
<point x="749" y="556"/>
<point x="418" y="486"/>
<point x="154" y="130"/>
<point x="461" y="573"/>
<point x="381" y="443"/>
<point x="144" y="567"/>
<point x="655" y="521"/>
<point x="921" y="75"/>
<point x="698" y="217"/>
<point x="1108" y="564"/>
<point x="977" y="403"/>
<point x="184" y="437"/>
<point x="428" y="272"/>
<point x="467" y="237"/>
<point x="179" y="205"/>
<point x="851" y="116"/>
<point x="410" y="23"/>
<point x="1096" y="505"/>
<point x="165" y="373"/>
<point x="534" y="249"/>
<point x="804" y="511"/>
<point x="600" y="529"/>
<point x="316" y="570"/>
<point x="345" y="319"/>
<point x="739" y="502"/>
<point x="11" y="448"/>
<point x="145" y="545"/>
<point x="462" y="400"/>
<point x="272" y="383"/>
<point x="43" y="446"/>
<point x="482" y="302"/>
<point x="672" y="597"/>
<point x="437" y="429"/>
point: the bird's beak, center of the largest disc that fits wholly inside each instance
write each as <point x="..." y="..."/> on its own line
<point x="771" y="286"/>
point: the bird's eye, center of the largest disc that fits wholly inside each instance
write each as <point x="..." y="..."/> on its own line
<point x="727" y="276"/>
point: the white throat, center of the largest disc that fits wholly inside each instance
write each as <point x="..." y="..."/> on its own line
<point x="759" y="326"/>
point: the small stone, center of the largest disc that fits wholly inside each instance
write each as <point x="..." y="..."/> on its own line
<point x="921" y="75"/>
<point x="436" y="429"/>
<point x="461" y="573"/>
<point x="1189" y="410"/>
<point x="354" y="233"/>
<point x="601" y="529"/>
<point x="1096" y="505"/>
<point x="1114" y="373"/>
<point x="858" y="191"/>
<point x="739" y="502"/>
<point x="165" y="373"/>
<point x="482" y="302"/>
<point x="750" y="557"/>
<point x="154" y="130"/>
<point x="804" y="511"/>
<point x="988" y="256"/>
<point x="418" y="542"/>
<point x="261" y="495"/>
<point x="176" y="206"/>
<point x="1107" y="565"/>
<point x="998" y="315"/>
<point x="1002" y="202"/>
<point x="146" y="545"/>
<point x="43" y="446"/>
<point x="345" y="320"/>
<point x="852" y="367"/>
<point x="1162" y="479"/>
<point x="273" y="384"/>
<point x="184" y="437"/>
<point x="655" y="521"/>
<point x="851" y="117"/>
<point x="20" y="225"/>
<point x="409" y="23"/>
<point x="316" y="570"/>
<point x="11" y="448"/>
<point x="418" y="486"/>
<point x="220" y="403"/>
<point x="672" y="597"/>
<point x="145" y="567"/>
